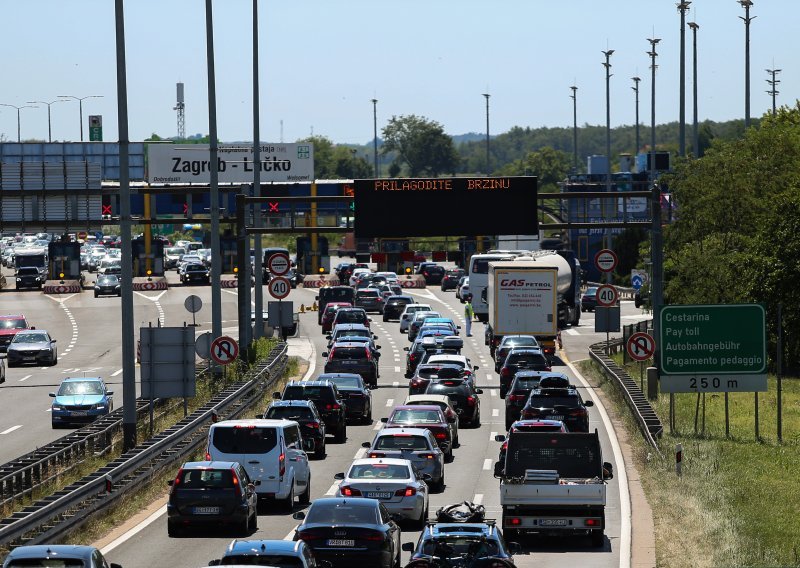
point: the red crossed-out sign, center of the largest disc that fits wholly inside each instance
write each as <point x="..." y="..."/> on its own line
<point x="224" y="350"/>
<point x="640" y="346"/>
<point x="106" y="210"/>
<point x="273" y="207"/>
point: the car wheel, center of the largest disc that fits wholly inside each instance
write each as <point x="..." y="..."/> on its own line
<point x="368" y="417"/>
<point x="96" y="294"/>
<point x="305" y="496"/>
<point x="252" y="526"/>
<point x="319" y="450"/>
<point x="55" y="359"/>
<point x="287" y="505"/>
<point x="341" y="433"/>
<point x="439" y="485"/>
<point x="448" y="457"/>
<point x="387" y="319"/>
<point x="173" y="531"/>
<point x="476" y="422"/>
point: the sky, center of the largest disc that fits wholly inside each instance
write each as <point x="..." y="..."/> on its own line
<point x="322" y="61"/>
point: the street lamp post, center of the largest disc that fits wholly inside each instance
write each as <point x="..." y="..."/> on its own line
<point x="574" y="97"/>
<point x="80" y="105"/>
<point x="375" y="134"/>
<point x="773" y="83"/>
<point x="695" y="134"/>
<point x="746" y="19"/>
<point x="488" y="164"/>
<point x="49" y="129"/>
<point x="636" y="90"/>
<point x="608" y="53"/>
<point x="19" y="133"/>
<point x="682" y="7"/>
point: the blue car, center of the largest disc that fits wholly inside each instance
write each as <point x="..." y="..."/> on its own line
<point x="80" y="401"/>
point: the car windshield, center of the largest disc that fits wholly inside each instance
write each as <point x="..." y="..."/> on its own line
<point x="28" y="271"/>
<point x="553" y="401"/>
<point x="378" y="471"/>
<point x="13" y="324"/>
<point x="175" y="251"/>
<point x="520" y="341"/>
<point x="461" y="545"/>
<point x="304" y="393"/>
<point x="347" y="316"/>
<point x="416" y="416"/>
<point x="110" y="279"/>
<point x="526" y="383"/>
<point x="244" y="440"/>
<point x="271" y="560"/>
<point x="290" y="413"/>
<point x="80" y="387"/>
<point x="206" y="478"/>
<point x="402" y="442"/>
<point x="342" y="514"/>
<point x="30" y="338"/>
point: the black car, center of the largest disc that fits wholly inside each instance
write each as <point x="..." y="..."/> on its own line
<point x="107" y="285"/>
<point x="451" y="278"/>
<point x="353" y="357"/>
<point x="29" y="277"/>
<point x="508" y="342"/>
<point x="433" y="274"/>
<point x="333" y="294"/>
<point x="344" y="271"/>
<point x="425" y="373"/>
<point x="394" y="306"/>
<point x="463" y="397"/>
<point x="563" y="404"/>
<point x="369" y="299"/>
<point x="352" y="387"/>
<point x="589" y="299"/>
<point x="305" y="413"/>
<point x="351" y="532"/>
<point x="329" y="402"/>
<point x="211" y="493"/>
<point x="522" y="385"/>
<point x="195" y="273"/>
<point x="462" y="544"/>
<point x="351" y="315"/>
<point x="521" y="358"/>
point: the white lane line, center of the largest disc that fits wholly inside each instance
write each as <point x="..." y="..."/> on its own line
<point x="489" y="377"/>
<point x="137" y="529"/>
<point x="495" y="412"/>
<point x="396" y="383"/>
<point x="493" y="392"/>
<point x="290" y="536"/>
<point x="360" y="453"/>
<point x="67" y="350"/>
<point x="487" y="464"/>
<point x="378" y="425"/>
<point x="17" y="427"/>
<point x="389" y="402"/>
<point x="25" y="378"/>
<point x="572" y="331"/>
<point x="332" y="490"/>
<point x="397" y="370"/>
<point x="492" y="435"/>
<point x="478" y="499"/>
<point x="116" y="373"/>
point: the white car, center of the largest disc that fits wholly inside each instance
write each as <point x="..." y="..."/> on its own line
<point x="391" y="277"/>
<point x="449" y="359"/>
<point x="462" y="288"/>
<point x="356" y="273"/>
<point x="394" y="482"/>
<point x="408" y="314"/>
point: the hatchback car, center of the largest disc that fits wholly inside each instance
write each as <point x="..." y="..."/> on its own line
<point x="369" y="299"/>
<point x="80" y="400"/>
<point x="394" y="306"/>
<point x="506" y="343"/>
<point x="564" y="404"/>
<point x="483" y="542"/>
<point x="329" y="402"/>
<point x="278" y="553"/>
<point x="357" y="394"/>
<point x="10" y="325"/>
<point x="451" y="278"/>
<point x="209" y="493"/>
<point x="353" y="357"/>
<point x="589" y="299"/>
<point x="32" y="346"/>
<point x="351" y="532"/>
<point x="349" y="330"/>
<point x="443" y="402"/>
<point x="414" y="444"/>
<point x="408" y="314"/>
<point x="351" y="315"/>
<point x="521" y="358"/>
<point x="394" y="482"/>
<point x="425" y="373"/>
<point x="305" y="413"/>
<point x="433" y="274"/>
<point x="195" y="272"/>
<point x="522" y="385"/>
<point x="429" y="417"/>
<point x="463" y="396"/>
<point x="444" y="357"/>
<point x="330" y="312"/>
<point x="107" y="285"/>
<point x="67" y="555"/>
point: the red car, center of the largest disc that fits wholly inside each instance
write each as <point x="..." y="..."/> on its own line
<point x="9" y="326"/>
<point x="330" y="313"/>
<point x="425" y="416"/>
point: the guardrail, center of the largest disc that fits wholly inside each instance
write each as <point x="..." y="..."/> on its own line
<point x="71" y="507"/>
<point x="649" y="422"/>
<point x="624" y="293"/>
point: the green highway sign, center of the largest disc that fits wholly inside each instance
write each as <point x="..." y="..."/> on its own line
<point x="713" y="347"/>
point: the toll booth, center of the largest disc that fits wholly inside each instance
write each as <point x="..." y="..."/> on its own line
<point x="144" y="261"/>
<point x="468" y="246"/>
<point x="230" y="255"/>
<point x="395" y="257"/>
<point x="63" y="258"/>
<point x="305" y="255"/>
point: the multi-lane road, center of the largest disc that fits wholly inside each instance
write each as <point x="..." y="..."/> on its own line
<point x="88" y="331"/>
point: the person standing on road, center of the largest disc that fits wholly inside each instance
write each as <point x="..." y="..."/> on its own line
<point x="469" y="313"/>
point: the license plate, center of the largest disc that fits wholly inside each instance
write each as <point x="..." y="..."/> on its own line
<point x="206" y="510"/>
<point x="349" y="362"/>
<point x="554" y="418"/>
<point x="79" y="413"/>
<point x="341" y="542"/>
<point x="553" y="522"/>
<point x="379" y="494"/>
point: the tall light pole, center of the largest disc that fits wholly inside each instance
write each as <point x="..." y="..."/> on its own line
<point x="773" y="84"/>
<point x="258" y="269"/>
<point x="19" y="136"/>
<point x="656" y="285"/>
<point x="574" y="97"/>
<point x="49" y="129"/>
<point x="80" y="105"/>
<point x="746" y="19"/>
<point x="683" y="5"/>
<point x="488" y="164"/>
<point x="695" y="133"/>
<point x="375" y="134"/>
<point x="608" y="53"/>
<point x="636" y="90"/>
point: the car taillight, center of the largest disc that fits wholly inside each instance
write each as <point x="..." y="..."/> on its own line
<point x="592" y="522"/>
<point x="504" y="447"/>
<point x="407" y="492"/>
<point x="412" y="357"/>
<point x="177" y="481"/>
<point x="428" y="456"/>
<point x="514" y="521"/>
<point x="496" y="341"/>
<point x="471" y="400"/>
<point x="313" y="424"/>
<point x="282" y="464"/>
<point x="236" y="487"/>
<point x="369" y="354"/>
<point x="208" y="456"/>
<point x="330" y="355"/>
<point x="377" y="455"/>
<point x="505" y="371"/>
<point x="348" y="491"/>
<point x="441" y="435"/>
<point x="311" y="535"/>
<point x="517" y="397"/>
<point x="578" y="412"/>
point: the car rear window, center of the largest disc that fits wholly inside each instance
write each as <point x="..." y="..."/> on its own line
<point x="378" y="471"/>
<point x="57" y="563"/>
<point x="416" y="416"/>
<point x="206" y="478"/>
<point x="343" y="316"/>
<point x="244" y="440"/>
<point x="342" y="514"/>
<point x="526" y="383"/>
<point x="274" y="560"/>
<point x="367" y="293"/>
<point x="351" y="382"/>
<point x="353" y="333"/>
<point x="290" y="413"/>
<point x="520" y="342"/>
<point x="349" y="353"/>
<point x="13" y="323"/>
<point x="402" y="442"/>
<point x="527" y="359"/>
<point x="448" y="389"/>
<point x="552" y="401"/>
<point x="306" y="393"/>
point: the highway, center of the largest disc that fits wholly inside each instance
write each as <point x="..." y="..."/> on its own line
<point x="89" y="327"/>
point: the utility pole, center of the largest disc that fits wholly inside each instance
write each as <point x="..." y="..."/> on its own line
<point x="746" y="19"/>
<point x="488" y="161"/>
<point x="375" y="135"/>
<point x="657" y="285"/>
<point x="636" y="90"/>
<point x="695" y="134"/>
<point x="682" y="7"/>
<point x="574" y="97"/>
<point x="608" y="53"/>
<point x="258" y="269"/>
<point x="773" y="84"/>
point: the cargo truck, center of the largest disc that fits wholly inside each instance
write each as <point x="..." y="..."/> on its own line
<point x="553" y="483"/>
<point x="31" y="256"/>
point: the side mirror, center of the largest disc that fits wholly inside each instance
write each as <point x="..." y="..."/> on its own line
<point x="408" y="547"/>
<point x="384" y="420"/>
<point x="324" y="353"/>
<point x="170" y="482"/>
<point x="257" y="482"/>
<point x="374" y="336"/>
<point x="276" y="396"/>
<point x="499" y="469"/>
<point x="588" y="403"/>
<point x="479" y="391"/>
<point x="426" y="477"/>
<point x="328" y="336"/>
<point x="377" y="347"/>
<point x="458" y="327"/>
<point x="52" y="395"/>
<point x="475" y="367"/>
<point x="608" y="470"/>
<point x="316" y="297"/>
<point x="339" y="475"/>
<point x="500" y="438"/>
<point x="109" y="393"/>
<point x="299" y="516"/>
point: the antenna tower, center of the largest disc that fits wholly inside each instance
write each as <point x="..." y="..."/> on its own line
<point x="180" y="106"/>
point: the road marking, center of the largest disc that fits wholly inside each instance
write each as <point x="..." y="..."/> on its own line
<point x="332" y="490"/>
<point x="495" y="411"/>
<point x="389" y="402"/>
<point x="137" y="529"/>
<point x="493" y="392"/>
<point x="572" y="331"/>
<point x="115" y="373"/>
<point x="492" y="435"/>
<point x="397" y="370"/>
<point x="478" y="499"/>
<point x="489" y="377"/>
<point x="396" y="383"/>
<point x="378" y="425"/>
<point x="360" y="453"/>
<point x="25" y="378"/>
<point x="17" y="427"/>
<point x="487" y="464"/>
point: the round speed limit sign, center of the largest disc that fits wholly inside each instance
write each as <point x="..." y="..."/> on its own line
<point x="607" y="295"/>
<point x="279" y="287"/>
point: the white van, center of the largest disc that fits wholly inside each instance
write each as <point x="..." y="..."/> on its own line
<point x="271" y="452"/>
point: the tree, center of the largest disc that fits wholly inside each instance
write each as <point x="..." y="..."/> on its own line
<point x="421" y="144"/>
<point x="333" y="161"/>
<point x="549" y="165"/>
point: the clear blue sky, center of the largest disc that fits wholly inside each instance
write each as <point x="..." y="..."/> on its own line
<point x="323" y="60"/>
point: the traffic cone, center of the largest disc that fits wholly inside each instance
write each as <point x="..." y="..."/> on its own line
<point x="302" y="309"/>
<point x="314" y="307"/>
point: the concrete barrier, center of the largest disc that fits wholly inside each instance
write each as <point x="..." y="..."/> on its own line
<point x="320" y="281"/>
<point x="228" y="282"/>
<point x="148" y="283"/>
<point x="412" y="281"/>
<point x="61" y="287"/>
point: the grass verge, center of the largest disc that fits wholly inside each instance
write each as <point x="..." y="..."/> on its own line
<point x="737" y="499"/>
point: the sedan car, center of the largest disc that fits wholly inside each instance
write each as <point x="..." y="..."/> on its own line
<point x="67" y="555"/>
<point x="351" y="532"/>
<point x="394" y="306"/>
<point x="279" y="553"/>
<point x="451" y="278"/>
<point x="80" y="400"/>
<point x="357" y="394"/>
<point x="107" y="285"/>
<point x="414" y="444"/>
<point x="429" y="417"/>
<point x="210" y="493"/>
<point x="589" y="299"/>
<point x="394" y="482"/>
<point x="442" y="402"/>
<point x="329" y="313"/>
<point x="32" y="346"/>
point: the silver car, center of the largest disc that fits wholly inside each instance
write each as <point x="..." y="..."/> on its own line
<point x="408" y="315"/>
<point x="414" y="444"/>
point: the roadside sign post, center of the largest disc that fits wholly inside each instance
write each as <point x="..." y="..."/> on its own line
<point x="224" y="350"/>
<point x="279" y="288"/>
<point x="278" y="264"/>
<point x="606" y="260"/>
<point x="640" y="346"/>
<point x="607" y="295"/>
<point x="193" y="304"/>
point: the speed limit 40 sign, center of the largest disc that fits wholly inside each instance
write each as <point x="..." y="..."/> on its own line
<point x="279" y="287"/>
<point x="607" y="295"/>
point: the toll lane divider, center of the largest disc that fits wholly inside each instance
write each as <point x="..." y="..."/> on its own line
<point x="143" y="284"/>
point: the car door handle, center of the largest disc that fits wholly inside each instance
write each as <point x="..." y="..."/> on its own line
<point x="254" y="462"/>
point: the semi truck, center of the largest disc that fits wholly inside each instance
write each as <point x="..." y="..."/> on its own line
<point x="553" y="483"/>
<point x="536" y="294"/>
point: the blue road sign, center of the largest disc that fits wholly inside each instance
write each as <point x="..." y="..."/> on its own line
<point x="636" y="281"/>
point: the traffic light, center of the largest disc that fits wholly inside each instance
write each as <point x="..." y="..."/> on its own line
<point x="105" y="207"/>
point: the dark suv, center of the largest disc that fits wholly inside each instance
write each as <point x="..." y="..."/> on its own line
<point x="463" y="397"/>
<point x="29" y="277"/>
<point x="369" y="299"/>
<point x="433" y="274"/>
<point x="305" y="413"/>
<point x="451" y="278"/>
<point x="522" y="385"/>
<point x="395" y="306"/>
<point x="521" y="358"/>
<point x="425" y="373"/>
<point x="353" y="357"/>
<point x="326" y="398"/>
<point x="563" y="404"/>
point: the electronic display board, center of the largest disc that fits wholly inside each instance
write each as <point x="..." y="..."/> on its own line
<point x="434" y="207"/>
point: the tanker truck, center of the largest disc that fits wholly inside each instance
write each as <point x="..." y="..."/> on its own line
<point x="536" y="294"/>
